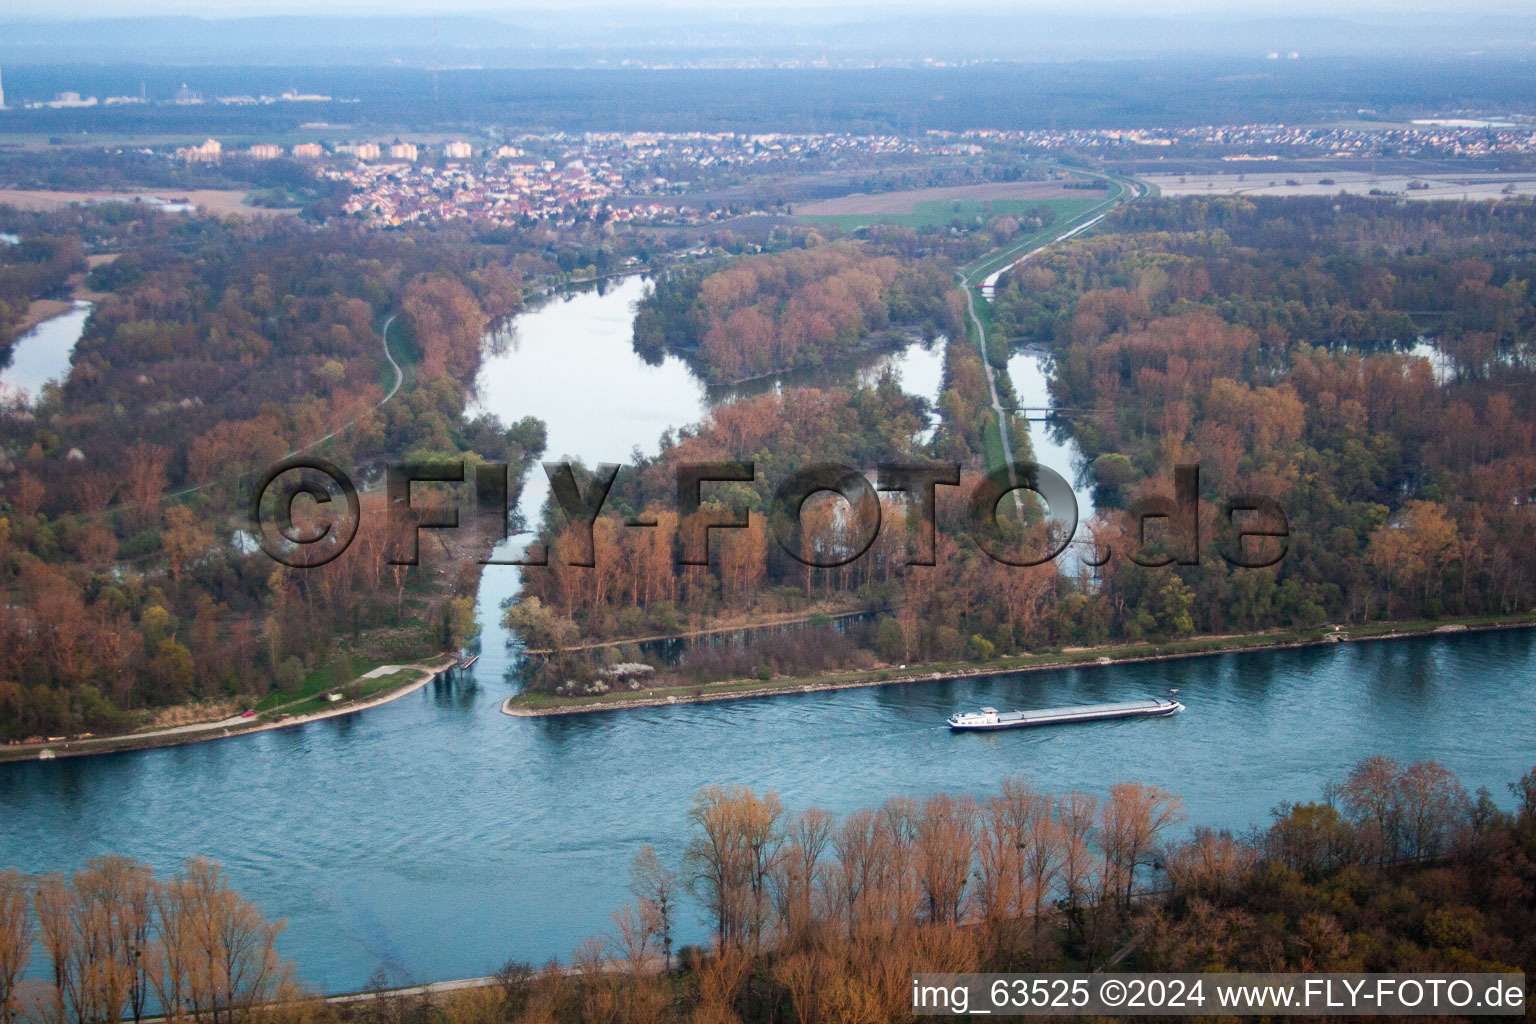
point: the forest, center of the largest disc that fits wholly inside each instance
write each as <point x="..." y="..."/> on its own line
<point x="818" y="918"/>
<point x="635" y="585"/>
<point x="1366" y="365"/>
<point x="801" y="308"/>
<point x="34" y="268"/>
<point x="1077" y="93"/>
<point x="222" y="348"/>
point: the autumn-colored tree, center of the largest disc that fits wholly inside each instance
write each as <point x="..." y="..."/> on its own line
<point x="145" y="481"/>
<point x="57" y="934"/>
<point x="446" y="322"/>
<point x="15" y="939"/>
<point x="1372" y="798"/>
<point x="944" y="835"/>
<point x="216" y="956"/>
<point x="186" y="538"/>
<point x="1075" y="814"/>
<point x="730" y="858"/>
<point x="655" y="888"/>
<point x="798" y="874"/>
<point x="1311" y="839"/>
<point x="1214" y="865"/>
<point x="1132" y="821"/>
<point x="27" y="495"/>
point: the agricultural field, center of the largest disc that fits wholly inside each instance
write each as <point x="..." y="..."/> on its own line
<point x="930" y="207"/>
<point x="1327" y="182"/>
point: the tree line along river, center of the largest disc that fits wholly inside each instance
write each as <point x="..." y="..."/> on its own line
<point x="436" y="837"/>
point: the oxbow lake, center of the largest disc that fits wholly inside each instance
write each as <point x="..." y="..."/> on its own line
<point x="42" y="354"/>
<point x="437" y="837"/>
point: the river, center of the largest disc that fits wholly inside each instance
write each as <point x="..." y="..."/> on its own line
<point x="1029" y="369"/>
<point x="42" y="354"/>
<point x="436" y="837"/>
<point x="571" y="362"/>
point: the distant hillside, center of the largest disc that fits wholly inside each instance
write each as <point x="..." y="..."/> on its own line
<point x="1078" y="94"/>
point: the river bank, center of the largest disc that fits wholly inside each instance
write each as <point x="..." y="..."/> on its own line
<point x="202" y="732"/>
<point x="377" y="834"/>
<point x="531" y="705"/>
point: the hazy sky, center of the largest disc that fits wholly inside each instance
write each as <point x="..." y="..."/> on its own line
<point x="785" y="8"/>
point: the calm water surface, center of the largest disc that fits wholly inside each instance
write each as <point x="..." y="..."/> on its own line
<point x="1029" y="369"/>
<point x="42" y="354"/>
<point x="436" y="837"/>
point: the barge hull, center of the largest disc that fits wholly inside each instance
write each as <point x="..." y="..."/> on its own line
<point x="1067" y="716"/>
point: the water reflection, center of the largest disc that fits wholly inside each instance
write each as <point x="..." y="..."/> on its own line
<point x="918" y="364"/>
<point x="570" y="363"/>
<point x="437" y="836"/>
<point x="1029" y="369"/>
<point x="42" y="354"/>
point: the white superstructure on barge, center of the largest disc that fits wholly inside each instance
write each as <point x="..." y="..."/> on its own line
<point x="991" y="718"/>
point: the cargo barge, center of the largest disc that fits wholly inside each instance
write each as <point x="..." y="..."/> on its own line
<point x="991" y="718"/>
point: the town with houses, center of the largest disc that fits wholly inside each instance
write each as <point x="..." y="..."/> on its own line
<point x="561" y="177"/>
<point x="640" y="176"/>
<point x="1427" y="137"/>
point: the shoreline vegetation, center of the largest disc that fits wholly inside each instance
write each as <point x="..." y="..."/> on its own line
<point x="281" y="717"/>
<point x="538" y="705"/>
<point x="745" y="626"/>
<point x="807" y="910"/>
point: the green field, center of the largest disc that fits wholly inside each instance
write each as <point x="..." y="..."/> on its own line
<point x="332" y="675"/>
<point x="402" y="345"/>
<point x="938" y="213"/>
<point x="1065" y="221"/>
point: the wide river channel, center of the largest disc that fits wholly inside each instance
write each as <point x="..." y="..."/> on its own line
<point x="436" y="837"/>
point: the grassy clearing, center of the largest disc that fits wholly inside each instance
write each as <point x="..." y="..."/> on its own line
<point x="402" y="346"/>
<point x="941" y="213"/>
<point x="365" y="689"/>
<point x="1066" y="219"/>
<point x="335" y="674"/>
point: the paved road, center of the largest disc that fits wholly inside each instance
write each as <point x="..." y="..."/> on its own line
<point x="997" y="405"/>
<point x="1128" y="193"/>
<point x="238" y="725"/>
<point x="399" y="377"/>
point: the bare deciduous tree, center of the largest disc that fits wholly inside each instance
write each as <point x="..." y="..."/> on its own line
<point x="654" y="887"/>
<point x="1370" y="796"/>
<point x="944" y="831"/>
<point x="1213" y="866"/>
<point x="1431" y="805"/>
<point x="15" y="939"/>
<point x="1135" y="816"/>
<point x="731" y="857"/>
